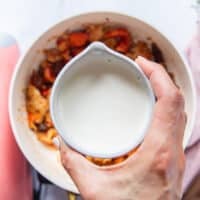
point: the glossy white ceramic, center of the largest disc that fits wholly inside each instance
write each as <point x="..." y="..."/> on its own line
<point x="97" y="54"/>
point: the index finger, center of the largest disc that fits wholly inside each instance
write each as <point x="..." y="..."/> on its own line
<point x="169" y="107"/>
<point x="160" y="80"/>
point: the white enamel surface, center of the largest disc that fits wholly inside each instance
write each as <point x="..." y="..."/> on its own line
<point x="46" y="161"/>
<point x="102" y="103"/>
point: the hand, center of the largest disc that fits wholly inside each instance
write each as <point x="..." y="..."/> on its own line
<point x="155" y="171"/>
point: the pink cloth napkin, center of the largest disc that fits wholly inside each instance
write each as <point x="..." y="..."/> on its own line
<point x="15" y="178"/>
<point x="193" y="149"/>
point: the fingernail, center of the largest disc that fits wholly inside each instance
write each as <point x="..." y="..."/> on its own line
<point x="56" y="142"/>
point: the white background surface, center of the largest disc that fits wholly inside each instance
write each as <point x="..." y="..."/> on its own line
<point x="27" y="19"/>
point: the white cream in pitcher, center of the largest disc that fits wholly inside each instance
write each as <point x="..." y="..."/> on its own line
<point x="103" y="103"/>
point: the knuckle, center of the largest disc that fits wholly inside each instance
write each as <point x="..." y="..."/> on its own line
<point x="90" y="194"/>
<point x="176" y="98"/>
<point x="162" y="162"/>
<point x="65" y="160"/>
<point x="165" y="161"/>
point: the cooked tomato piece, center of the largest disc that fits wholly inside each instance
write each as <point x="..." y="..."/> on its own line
<point x="117" y="32"/>
<point x="123" y="38"/>
<point x="34" y="117"/>
<point x="45" y="93"/>
<point x="123" y="45"/>
<point x="78" y="39"/>
<point x="48" y="74"/>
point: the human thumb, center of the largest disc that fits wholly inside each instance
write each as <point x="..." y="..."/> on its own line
<point x="79" y="168"/>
